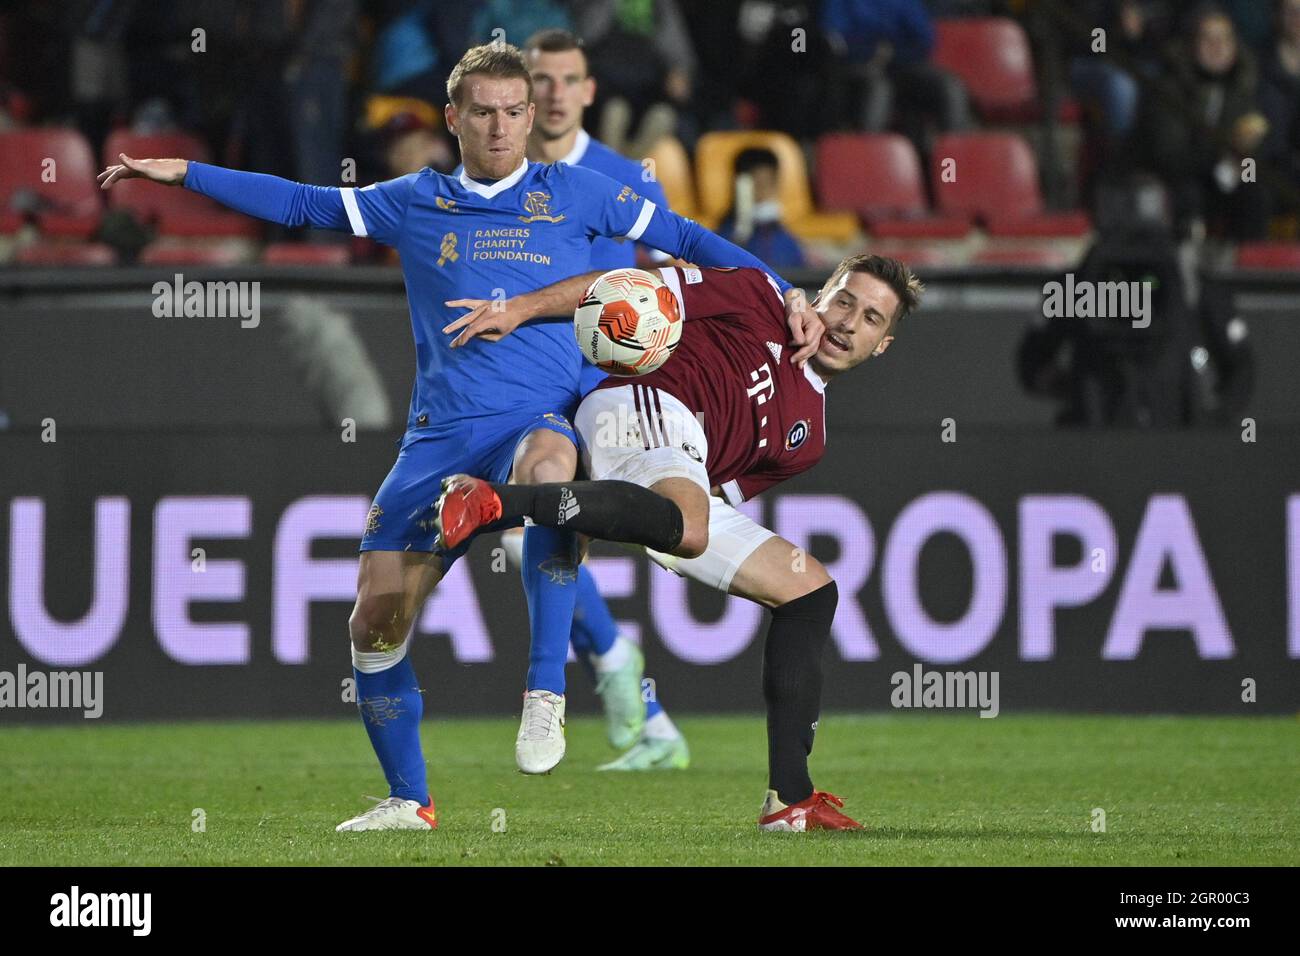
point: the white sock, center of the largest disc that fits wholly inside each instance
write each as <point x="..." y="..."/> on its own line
<point x="661" y="727"/>
<point x="619" y="653"/>
<point x="372" y="662"/>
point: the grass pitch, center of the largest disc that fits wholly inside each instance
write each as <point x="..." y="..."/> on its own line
<point x="1017" y="790"/>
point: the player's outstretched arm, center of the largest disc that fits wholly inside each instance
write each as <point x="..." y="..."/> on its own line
<point x="255" y="194"/>
<point x="493" y="319"/>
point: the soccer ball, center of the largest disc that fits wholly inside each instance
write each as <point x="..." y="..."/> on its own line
<point x="627" y="322"/>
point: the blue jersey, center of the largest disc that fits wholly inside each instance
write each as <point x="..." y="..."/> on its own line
<point x="608" y="253"/>
<point x="593" y="154"/>
<point x="459" y="238"/>
<point x="462" y="239"/>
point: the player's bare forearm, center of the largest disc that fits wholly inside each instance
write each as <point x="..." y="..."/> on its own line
<point x="492" y="319"/>
<point x="170" y="172"/>
<point x="559" y="298"/>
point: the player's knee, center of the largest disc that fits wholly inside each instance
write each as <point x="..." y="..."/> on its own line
<point x="377" y="623"/>
<point x="546" y="469"/>
<point x="812" y="577"/>
<point x="695" y="541"/>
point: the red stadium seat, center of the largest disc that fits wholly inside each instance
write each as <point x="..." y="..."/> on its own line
<point x="878" y="176"/>
<point x="167" y="252"/>
<point x="53" y="253"/>
<point x="991" y="55"/>
<point x="1283" y="256"/>
<point x="69" y="202"/>
<point x="995" y="180"/>
<point x="306" y="254"/>
<point x="175" y="211"/>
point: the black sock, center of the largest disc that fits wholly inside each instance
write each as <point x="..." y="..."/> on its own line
<point x="611" y="510"/>
<point x="792" y="687"/>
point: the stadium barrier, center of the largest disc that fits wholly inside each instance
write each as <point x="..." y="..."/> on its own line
<point x="211" y="574"/>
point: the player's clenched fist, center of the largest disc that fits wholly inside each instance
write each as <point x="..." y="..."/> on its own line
<point x="168" y="171"/>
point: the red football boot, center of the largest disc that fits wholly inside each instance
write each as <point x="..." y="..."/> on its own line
<point x="466" y="504"/>
<point x="816" y="813"/>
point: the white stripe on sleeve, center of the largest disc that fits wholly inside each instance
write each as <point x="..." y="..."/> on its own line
<point x="353" y="211"/>
<point x="643" y="220"/>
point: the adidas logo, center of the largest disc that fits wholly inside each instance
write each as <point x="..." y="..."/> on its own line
<point x="569" y="507"/>
<point x="775" y="350"/>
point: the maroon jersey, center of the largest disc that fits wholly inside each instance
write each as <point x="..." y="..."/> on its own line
<point x="765" y="419"/>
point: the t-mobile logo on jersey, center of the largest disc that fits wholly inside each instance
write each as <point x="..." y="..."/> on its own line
<point x="568" y="506"/>
<point x="763" y="387"/>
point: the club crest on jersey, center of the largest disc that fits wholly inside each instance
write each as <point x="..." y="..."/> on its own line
<point x="798" y="434"/>
<point x="538" y="206"/>
<point x="372" y="519"/>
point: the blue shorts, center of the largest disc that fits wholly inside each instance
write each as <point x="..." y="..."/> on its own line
<point x="402" y="515"/>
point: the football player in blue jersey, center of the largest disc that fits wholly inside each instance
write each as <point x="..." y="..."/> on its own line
<point x="562" y="89"/>
<point x="502" y="230"/>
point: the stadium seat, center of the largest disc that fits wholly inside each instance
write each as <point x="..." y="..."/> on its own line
<point x="306" y="254"/>
<point x="174" y="211"/>
<point x="673" y="170"/>
<point x="169" y="252"/>
<point x="715" y="156"/>
<point x="993" y="58"/>
<point x="55" y="253"/>
<point x="1283" y="256"/>
<point x="68" y="204"/>
<point x="878" y="177"/>
<point x="995" y="180"/>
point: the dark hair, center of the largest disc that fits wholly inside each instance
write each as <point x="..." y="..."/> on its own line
<point x="755" y="157"/>
<point x="893" y="273"/>
<point x="554" y="40"/>
<point x="492" y="59"/>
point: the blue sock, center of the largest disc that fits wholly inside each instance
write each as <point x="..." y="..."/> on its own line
<point x="550" y="581"/>
<point x="653" y="707"/>
<point x="594" y="630"/>
<point x="391" y="706"/>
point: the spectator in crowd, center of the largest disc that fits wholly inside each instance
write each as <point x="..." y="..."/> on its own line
<point x="1199" y="124"/>
<point x="754" y="222"/>
<point x="415" y="46"/>
<point x="885" y="46"/>
<point x="409" y="144"/>
<point x="646" y="62"/>
<point x="793" y="88"/>
<point x="1135" y="33"/>
<point x="1280" y="100"/>
<point x="513" y="21"/>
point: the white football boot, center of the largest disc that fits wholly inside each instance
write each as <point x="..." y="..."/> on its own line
<point x="540" y="744"/>
<point x="394" y="813"/>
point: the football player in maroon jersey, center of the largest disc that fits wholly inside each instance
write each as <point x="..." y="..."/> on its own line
<point x="673" y="451"/>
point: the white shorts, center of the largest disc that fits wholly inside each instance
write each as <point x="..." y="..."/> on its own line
<point x="640" y="434"/>
<point x="643" y="435"/>
<point x="733" y="537"/>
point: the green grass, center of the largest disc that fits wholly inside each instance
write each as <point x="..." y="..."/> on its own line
<point x="1018" y="790"/>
